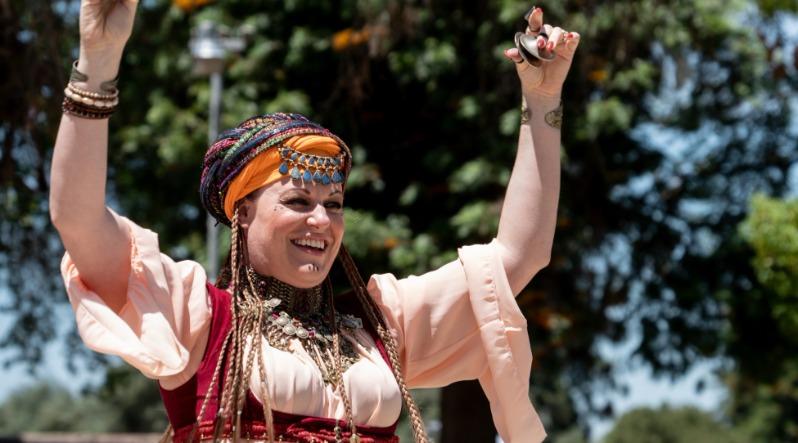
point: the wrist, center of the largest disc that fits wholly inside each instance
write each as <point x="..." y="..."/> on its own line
<point x="537" y="100"/>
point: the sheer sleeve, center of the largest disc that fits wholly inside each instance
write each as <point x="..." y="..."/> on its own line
<point x="162" y="328"/>
<point x="461" y="322"/>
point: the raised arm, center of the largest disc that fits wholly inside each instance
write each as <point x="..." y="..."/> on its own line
<point x="95" y="238"/>
<point x="529" y="213"/>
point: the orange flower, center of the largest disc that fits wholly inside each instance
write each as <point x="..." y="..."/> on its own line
<point x="349" y="37"/>
<point x="188" y="5"/>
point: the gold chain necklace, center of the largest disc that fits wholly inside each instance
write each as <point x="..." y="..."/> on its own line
<point x="292" y="313"/>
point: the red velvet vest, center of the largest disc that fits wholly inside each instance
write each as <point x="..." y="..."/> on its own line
<point x="183" y="403"/>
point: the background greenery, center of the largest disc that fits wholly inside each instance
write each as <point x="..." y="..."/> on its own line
<point x="677" y="113"/>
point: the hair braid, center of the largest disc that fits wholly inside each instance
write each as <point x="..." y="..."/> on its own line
<point x="265" y="399"/>
<point x="378" y="321"/>
<point x="337" y="355"/>
<point x="233" y="372"/>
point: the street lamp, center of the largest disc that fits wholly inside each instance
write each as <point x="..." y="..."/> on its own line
<point x="210" y="48"/>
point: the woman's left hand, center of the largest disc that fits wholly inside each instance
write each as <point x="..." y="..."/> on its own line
<point x="545" y="77"/>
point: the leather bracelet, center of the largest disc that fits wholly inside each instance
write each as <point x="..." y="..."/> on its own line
<point x="71" y="107"/>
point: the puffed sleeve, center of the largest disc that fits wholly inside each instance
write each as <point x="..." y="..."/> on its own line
<point x="461" y="322"/>
<point x="162" y="329"/>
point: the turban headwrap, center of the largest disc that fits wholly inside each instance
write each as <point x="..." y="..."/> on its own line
<point x="264" y="149"/>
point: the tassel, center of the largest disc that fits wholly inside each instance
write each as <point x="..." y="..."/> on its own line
<point x="218" y="424"/>
<point x="237" y="430"/>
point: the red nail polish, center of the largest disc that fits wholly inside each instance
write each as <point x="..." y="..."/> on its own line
<point x="541" y="42"/>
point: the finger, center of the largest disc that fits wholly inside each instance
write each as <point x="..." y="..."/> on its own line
<point x="106" y="7"/>
<point x="534" y="19"/>
<point x="555" y="38"/>
<point x="572" y="41"/>
<point x="513" y="55"/>
<point x="544" y="38"/>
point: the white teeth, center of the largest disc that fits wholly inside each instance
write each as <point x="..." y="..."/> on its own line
<point x="318" y="244"/>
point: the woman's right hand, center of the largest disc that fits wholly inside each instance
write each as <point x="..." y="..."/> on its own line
<point x="106" y="25"/>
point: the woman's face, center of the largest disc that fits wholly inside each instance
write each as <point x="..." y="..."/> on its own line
<point x="293" y="230"/>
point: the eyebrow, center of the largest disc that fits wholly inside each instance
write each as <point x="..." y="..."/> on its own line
<point x="306" y="192"/>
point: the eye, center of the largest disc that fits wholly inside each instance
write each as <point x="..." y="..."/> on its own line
<point x="296" y="201"/>
<point x="333" y="205"/>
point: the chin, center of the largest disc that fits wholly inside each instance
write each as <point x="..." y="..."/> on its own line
<point x="308" y="276"/>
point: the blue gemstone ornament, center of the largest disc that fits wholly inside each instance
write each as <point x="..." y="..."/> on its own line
<point x="295" y="173"/>
<point x="337" y="177"/>
<point x="317" y="177"/>
<point x="325" y="179"/>
<point x="283" y="168"/>
<point x="307" y="176"/>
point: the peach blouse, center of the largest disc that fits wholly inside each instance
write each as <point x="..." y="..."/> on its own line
<point x="458" y="322"/>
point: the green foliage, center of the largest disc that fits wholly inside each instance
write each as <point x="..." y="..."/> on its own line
<point x="49" y="408"/>
<point x="764" y="384"/>
<point x="667" y="425"/>
<point x="127" y="402"/>
<point x="771" y="229"/>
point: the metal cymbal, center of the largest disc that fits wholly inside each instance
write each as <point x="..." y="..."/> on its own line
<point x="528" y="48"/>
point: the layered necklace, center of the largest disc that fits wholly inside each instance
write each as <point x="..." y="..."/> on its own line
<point x="305" y="315"/>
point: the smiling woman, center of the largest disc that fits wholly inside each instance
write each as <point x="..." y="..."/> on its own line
<point x="268" y="352"/>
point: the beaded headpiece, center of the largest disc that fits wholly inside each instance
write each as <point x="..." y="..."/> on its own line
<point x="265" y="134"/>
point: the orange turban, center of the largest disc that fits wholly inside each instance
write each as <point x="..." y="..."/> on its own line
<point x="263" y="169"/>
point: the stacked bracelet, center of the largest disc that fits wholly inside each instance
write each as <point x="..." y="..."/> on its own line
<point x="87" y="104"/>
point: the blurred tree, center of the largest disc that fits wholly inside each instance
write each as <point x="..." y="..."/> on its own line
<point x="764" y="321"/>
<point x="667" y="425"/>
<point x="125" y="402"/>
<point x="676" y="112"/>
<point x="46" y="407"/>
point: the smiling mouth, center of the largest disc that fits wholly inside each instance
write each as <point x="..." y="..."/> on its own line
<point x="310" y="245"/>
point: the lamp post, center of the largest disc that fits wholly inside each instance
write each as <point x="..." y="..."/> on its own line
<point x="210" y="48"/>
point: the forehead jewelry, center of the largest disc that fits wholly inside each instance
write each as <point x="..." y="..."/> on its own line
<point x="311" y="168"/>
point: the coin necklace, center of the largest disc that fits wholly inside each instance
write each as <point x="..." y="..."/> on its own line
<point x="293" y="313"/>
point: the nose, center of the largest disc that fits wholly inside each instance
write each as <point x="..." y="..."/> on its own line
<point x="318" y="218"/>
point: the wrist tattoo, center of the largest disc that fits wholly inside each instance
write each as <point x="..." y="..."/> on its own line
<point x="554" y="118"/>
<point x="526" y="114"/>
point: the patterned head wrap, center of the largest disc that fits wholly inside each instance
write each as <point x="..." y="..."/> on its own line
<point x="264" y="149"/>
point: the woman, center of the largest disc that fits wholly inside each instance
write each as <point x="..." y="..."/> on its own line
<point x="267" y="353"/>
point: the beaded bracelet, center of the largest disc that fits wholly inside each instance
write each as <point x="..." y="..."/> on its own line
<point x="96" y="95"/>
<point x="100" y="103"/>
<point x="71" y="107"/>
<point x="82" y="103"/>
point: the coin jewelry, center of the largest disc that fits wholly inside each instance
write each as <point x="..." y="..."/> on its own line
<point x="293" y="314"/>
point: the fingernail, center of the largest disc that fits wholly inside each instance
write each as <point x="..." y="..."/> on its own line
<point x="541" y="42"/>
<point x="551" y="46"/>
<point x="528" y="13"/>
